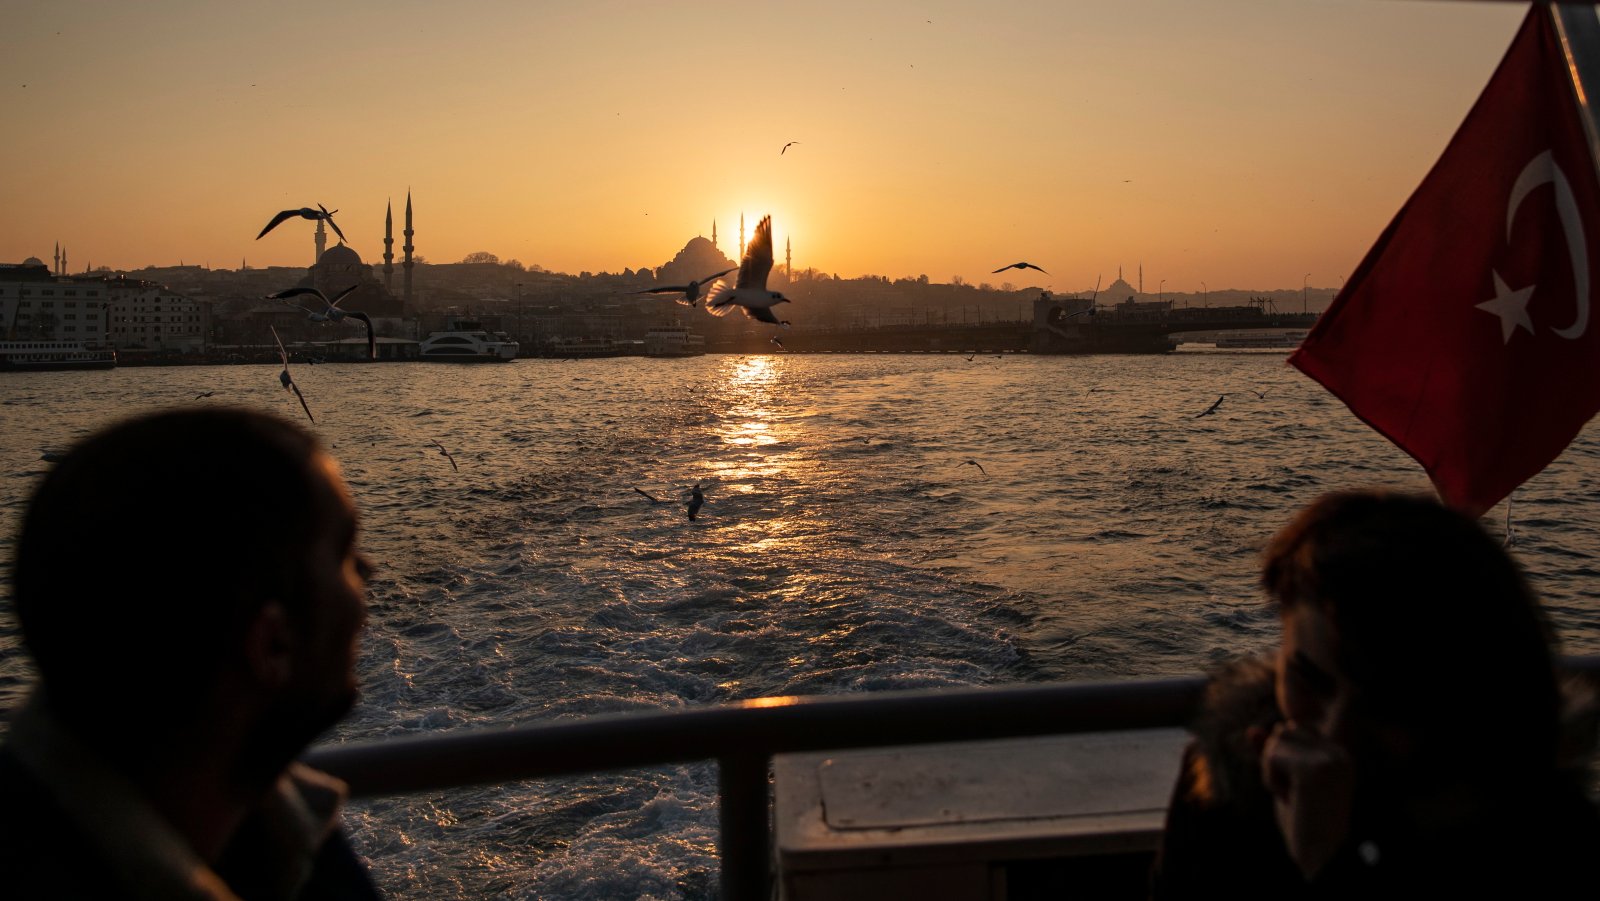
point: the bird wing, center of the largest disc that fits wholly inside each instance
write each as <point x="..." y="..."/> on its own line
<point x="335" y="225"/>
<point x="372" y="339"/>
<point x="281" y="352"/>
<point x="343" y="294"/>
<point x="757" y="257"/>
<point x="718" y="275"/>
<point x="664" y="289"/>
<point x="720" y="302"/>
<point x="652" y="498"/>
<point x="286" y="214"/>
<point x="1004" y="268"/>
<point x="299" y="292"/>
<point x="296" y="389"/>
<point x="761" y="314"/>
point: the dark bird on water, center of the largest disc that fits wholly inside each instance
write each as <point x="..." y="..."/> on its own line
<point x="321" y="212"/>
<point x="750" y="294"/>
<point x="330" y="311"/>
<point x="1213" y="408"/>
<point x="787" y="146"/>
<point x="285" y="380"/>
<point x="977" y="464"/>
<point x="691" y="292"/>
<point x="697" y="499"/>
<point x="1017" y="266"/>
<point x="446" y="454"/>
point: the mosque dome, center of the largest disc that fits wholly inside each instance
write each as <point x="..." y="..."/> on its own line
<point x="33" y="261"/>
<point x="339" y="255"/>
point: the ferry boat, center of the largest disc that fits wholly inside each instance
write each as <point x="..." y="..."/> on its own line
<point x="20" y="356"/>
<point x="1244" y="338"/>
<point x="467" y="341"/>
<point x="585" y="348"/>
<point x="674" y="340"/>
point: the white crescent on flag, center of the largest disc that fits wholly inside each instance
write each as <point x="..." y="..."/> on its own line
<point x="1542" y="170"/>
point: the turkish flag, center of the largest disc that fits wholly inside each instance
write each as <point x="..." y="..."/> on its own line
<point x="1465" y="335"/>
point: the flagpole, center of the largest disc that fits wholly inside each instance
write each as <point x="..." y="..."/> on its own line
<point x="1578" y="30"/>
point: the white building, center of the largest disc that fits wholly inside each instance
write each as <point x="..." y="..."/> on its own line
<point x="34" y="305"/>
<point x="146" y="316"/>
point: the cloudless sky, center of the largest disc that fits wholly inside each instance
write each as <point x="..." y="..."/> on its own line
<point x="1235" y="143"/>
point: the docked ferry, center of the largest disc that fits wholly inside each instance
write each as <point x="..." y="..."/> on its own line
<point x="674" y="340"/>
<point x="19" y="356"/>
<point x="467" y="341"/>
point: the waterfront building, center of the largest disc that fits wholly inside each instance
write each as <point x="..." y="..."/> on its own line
<point x="151" y="317"/>
<point x="36" y="305"/>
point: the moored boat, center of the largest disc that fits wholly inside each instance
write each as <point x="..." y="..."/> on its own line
<point x="467" y="341"/>
<point x="673" y="340"/>
<point x="34" y="356"/>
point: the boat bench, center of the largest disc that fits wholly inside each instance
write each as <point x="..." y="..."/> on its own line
<point x="1060" y="816"/>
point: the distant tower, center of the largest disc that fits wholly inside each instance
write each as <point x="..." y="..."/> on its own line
<point x="408" y="248"/>
<point x="57" y="269"/>
<point x="741" y="236"/>
<point x="388" y="247"/>
<point x="322" y="241"/>
<point x="788" y="257"/>
<point x="63" y="260"/>
<point x="713" y="233"/>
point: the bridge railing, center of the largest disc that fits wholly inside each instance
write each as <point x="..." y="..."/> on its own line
<point x="743" y="736"/>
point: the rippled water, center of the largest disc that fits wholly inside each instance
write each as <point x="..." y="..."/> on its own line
<point x="845" y="546"/>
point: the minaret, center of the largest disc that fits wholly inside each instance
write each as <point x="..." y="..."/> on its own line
<point x="408" y="248"/>
<point x="788" y="257"/>
<point x="57" y="269"/>
<point x="63" y="260"/>
<point x="388" y="247"/>
<point x="714" y="233"/>
<point x="741" y="236"/>
<point x="322" y="240"/>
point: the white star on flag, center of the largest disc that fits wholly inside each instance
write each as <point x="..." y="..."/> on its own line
<point x="1511" y="306"/>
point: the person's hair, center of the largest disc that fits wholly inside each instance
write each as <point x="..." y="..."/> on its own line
<point x="1434" y="625"/>
<point x="148" y="548"/>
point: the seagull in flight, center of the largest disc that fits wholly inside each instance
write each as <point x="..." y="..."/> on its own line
<point x="305" y="212"/>
<point x="204" y="394"/>
<point x="1017" y="266"/>
<point x="977" y="464"/>
<point x="286" y="381"/>
<point x="779" y="343"/>
<point x="691" y="292"/>
<point x="1213" y="408"/>
<point x="446" y="454"/>
<point x="330" y="311"/>
<point x="751" y="293"/>
<point x="787" y="146"/>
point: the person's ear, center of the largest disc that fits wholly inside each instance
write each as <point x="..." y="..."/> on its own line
<point x="269" y="645"/>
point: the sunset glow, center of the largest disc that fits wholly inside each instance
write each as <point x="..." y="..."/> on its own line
<point x="1233" y="143"/>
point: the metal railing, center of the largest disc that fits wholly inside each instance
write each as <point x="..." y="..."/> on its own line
<point x="742" y="737"/>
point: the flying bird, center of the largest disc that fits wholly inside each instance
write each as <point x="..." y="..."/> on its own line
<point x="697" y="499"/>
<point x="787" y="146"/>
<point x="751" y="292"/>
<point x="330" y="311"/>
<point x="1213" y="408"/>
<point x="285" y="380"/>
<point x="691" y="292"/>
<point x="305" y="212"/>
<point x="777" y="342"/>
<point x="204" y="394"/>
<point x="1017" y="266"/>
<point x="977" y="464"/>
<point x="446" y="454"/>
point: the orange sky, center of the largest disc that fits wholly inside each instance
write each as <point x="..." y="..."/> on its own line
<point x="1235" y="143"/>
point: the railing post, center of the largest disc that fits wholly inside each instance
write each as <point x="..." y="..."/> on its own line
<point x="745" y="846"/>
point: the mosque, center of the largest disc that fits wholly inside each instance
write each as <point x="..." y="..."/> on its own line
<point x="339" y="267"/>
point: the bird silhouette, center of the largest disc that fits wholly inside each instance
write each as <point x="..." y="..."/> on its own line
<point x="977" y="464"/>
<point x="787" y="146"/>
<point x="1213" y="408"/>
<point x="204" y="394"/>
<point x="750" y="294"/>
<point x="446" y="454"/>
<point x="691" y="292"/>
<point x="286" y="380"/>
<point x="330" y="311"/>
<point x="305" y="212"/>
<point x="648" y="496"/>
<point x="1017" y="266"/>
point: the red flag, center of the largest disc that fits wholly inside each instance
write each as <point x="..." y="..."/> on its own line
<point x="1465" y="335"/>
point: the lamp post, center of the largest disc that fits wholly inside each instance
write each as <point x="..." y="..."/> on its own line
<point x="1303" y="289"/>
